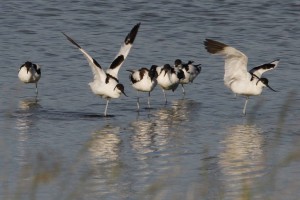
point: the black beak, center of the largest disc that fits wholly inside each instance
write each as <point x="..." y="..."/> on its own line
<point x="266" y="83"/>
<point x="124" y="93"/>
<point x="271" y="88"/>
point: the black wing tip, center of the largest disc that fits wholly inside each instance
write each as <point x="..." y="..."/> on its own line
<point x="71" y="40"/>
<point x="213" y="46"/>
<point x="132" y="34"/>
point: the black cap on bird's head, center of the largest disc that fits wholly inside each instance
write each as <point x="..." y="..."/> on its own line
<point x="167" y="68"/>
<point x="177" y="62"/>
<point x="28" y="65"/>
<point x="152" y="72"/>
<point x="121" y="88"/>
<point x="266" y="83"/>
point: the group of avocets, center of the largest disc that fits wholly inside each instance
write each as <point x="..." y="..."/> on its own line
<point x="106" y="83"/>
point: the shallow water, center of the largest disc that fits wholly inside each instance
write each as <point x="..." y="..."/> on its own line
<point x="199" y="146"/>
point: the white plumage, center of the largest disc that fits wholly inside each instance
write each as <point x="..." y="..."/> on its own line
<point x="143" y="80"/>
<point x="30" y="73"/>
<point x="106" y="84"/>
<point x="236" y="76"/>
<point x="190" y="71"/>
<point x="168" y="78"/>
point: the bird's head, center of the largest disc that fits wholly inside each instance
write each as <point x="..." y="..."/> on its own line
<point x="28" y="65"/>
<point x="120" y="88"/>
<point x="265" y="83"/>
<point x="177" y="62"/>
<point x="152" y="72"/>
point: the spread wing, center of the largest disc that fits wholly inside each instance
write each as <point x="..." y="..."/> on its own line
<point x="123" y="52"/>
<point x="235" y="61"/>
<point x="259" y="70"/>
<point x="97" y="70"/>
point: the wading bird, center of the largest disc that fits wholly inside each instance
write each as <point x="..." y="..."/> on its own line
<point x="190" y="71"/>
<point x="106" y="84"/>
<point x="143" y="80"/>
<point x="236" y="76"/>
<point x="30" y="73"/>
<point x="168" y="78"/>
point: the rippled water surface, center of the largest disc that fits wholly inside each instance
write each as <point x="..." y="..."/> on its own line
<point x="59" y="145"/>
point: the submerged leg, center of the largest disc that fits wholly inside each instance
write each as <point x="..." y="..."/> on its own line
<point x="183" y="91"/>
<point x="105" y="111"/>
<point x="165" y="96"/>
<point x="138" y="100"/>
<point x="149" y="100"/>
<point x="36" y="89"/>
<point x="244" y="110"/>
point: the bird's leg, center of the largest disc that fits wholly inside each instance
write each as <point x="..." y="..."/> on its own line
<point x="165" y="96"/>
<point x="149" y="100"/>
<point x="183" y="91"/>
<point x="105" y="111"/>
<point x="138" y="100"/>
<point x="244" y="110"/>
<point x="36" y="89"/>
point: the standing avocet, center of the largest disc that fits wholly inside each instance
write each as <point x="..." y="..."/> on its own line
<point x="190" y="71"/>
<point x="236" y="76"/>
<point x="143" y="80"/>
<point x="168" y="78"/>
<point x="30" y="73"/>
<point x="106" y="84"/>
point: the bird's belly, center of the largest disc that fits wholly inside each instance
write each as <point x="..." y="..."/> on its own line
<point x="105" y="90"/>
<point x="168" y="82"/>
<point x="27" y="77"/>
<point x="145" y="85"/>
<point x="247" y="89"/>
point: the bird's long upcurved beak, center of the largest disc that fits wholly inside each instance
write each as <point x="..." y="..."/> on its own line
<point x="271" y="88"/>
<point x="124" y="93"/>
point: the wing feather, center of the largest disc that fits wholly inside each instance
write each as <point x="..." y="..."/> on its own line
<point x="123" y="52"/>
<point x="97" y="70"/>
<point x="235" y="60"/>
<point x="259" y="70"/>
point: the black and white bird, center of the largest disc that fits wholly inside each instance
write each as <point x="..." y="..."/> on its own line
<point x="106" y="84"/>
<point x="30" y="73"/>
<point x="168" y="78"/>
<point x="236" y="76"/>
<point x="190" y="71"/>
<point x="143" y="80"/>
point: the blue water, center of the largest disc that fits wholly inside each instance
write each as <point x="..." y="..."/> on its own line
<point x="59" y="146"/>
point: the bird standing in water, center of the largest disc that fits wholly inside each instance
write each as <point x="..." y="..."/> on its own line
<point x="30" y="73"/>
<point x="106" y="84"/>
<point x="236" y="76"/>
<point x="190" y="71"/>
<point x="143" y="80"/>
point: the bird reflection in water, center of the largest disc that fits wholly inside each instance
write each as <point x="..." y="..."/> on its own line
<point x="242" y="158"/>
<point x="154" y="134"/>
<point x="25" y="120"/>
<point x="104" y="144"/>
<point x="104" y="149"/>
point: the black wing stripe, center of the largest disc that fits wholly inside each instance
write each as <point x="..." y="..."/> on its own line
<point x="264" y="66"/>
<point x="96" y="63"/>
<point x="117" y="62"/>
